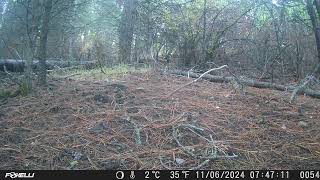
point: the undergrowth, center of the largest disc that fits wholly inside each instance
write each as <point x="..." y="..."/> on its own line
<point x="97" y="73"/>
<point x="22" y="90"/>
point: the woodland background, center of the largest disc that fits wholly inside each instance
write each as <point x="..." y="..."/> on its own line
<point x="264" y="39"/>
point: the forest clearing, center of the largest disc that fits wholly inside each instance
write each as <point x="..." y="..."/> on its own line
<point x="129" y="122"/>
<point x="159" y="85"/>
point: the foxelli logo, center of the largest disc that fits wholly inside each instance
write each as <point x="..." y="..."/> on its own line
<point x="14" y="175"/>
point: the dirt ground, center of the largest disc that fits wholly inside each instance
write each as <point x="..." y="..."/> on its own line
<point x="132" y="123"/>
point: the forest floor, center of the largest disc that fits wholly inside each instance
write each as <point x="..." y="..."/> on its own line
<point x="130" y="122"/>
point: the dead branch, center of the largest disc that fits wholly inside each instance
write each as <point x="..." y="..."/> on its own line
<point x="185" y="149"/>
<point x="215" y="149"/>
<point x="301" y="87"/>
<point x="11" y="77"/>
<point x="202" y="75"/>
<point x="248" y="82"/>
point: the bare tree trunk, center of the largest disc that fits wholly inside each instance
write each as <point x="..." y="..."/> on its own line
<point x="317" y="4"/>
<point x="204" y="46"/>
<point x="70" y="51"/>
<point x="1" y="10"/>
<point x="126" y="29"/>
<point x="28" y="71"/>
<point x="32" y="30"/>
<point x="316" y="28"/>
<point x="43" y="42"/>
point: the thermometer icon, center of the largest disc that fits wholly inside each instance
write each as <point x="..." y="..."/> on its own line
<point x="132" y="176"/>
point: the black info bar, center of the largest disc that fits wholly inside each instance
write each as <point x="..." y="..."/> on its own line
<point x="161" y="174"/>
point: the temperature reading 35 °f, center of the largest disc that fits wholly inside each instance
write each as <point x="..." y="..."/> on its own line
<point x="179" y="174"/>
<point x="152" y="174"/>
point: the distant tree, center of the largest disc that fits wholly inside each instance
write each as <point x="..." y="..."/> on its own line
<point x="126" y="30"/>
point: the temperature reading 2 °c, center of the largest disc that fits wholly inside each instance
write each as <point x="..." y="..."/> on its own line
<point x="155" y="174"/>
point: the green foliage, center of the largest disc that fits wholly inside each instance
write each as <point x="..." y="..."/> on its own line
<point x="297" y="9"/>
<point x="97" y="74"/>
<point x="6" y="94"/>
<point x="262" y="16"/>
<point x="293" y="10"/>
<point x="24" y="89"/>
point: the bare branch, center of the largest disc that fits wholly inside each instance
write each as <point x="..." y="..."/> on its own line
<point x="214" y="69"/>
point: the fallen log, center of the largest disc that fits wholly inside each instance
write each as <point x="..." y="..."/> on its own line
<point x="247" y="82"/>
<point x="14" y="65"/>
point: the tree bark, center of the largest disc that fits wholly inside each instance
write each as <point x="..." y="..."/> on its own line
<point x="204" y="35"/>
<point x="316" y="28"/>
<point x="1" y="15"/>
<point x="126" y="29"/>
<point x="13" y="65"/>
<point x="252" y="83"/>
<point x="317" y="4"/>
<point x="43" y="42"/>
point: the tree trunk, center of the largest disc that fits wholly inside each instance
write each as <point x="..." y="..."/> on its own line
<point x="43" y="42"/>
<point x="204" y="43"/>
<point x="13" y="65"/>
<point x="317" y="4"/>
<point x="28" y="70"/>
<point x="316" y="28"/>
<point x="1" y="15"/>
<point x="126" y="29"/>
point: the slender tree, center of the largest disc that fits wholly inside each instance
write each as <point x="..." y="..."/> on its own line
<point x="43" y="42"/>
<point x="126" y="29"/>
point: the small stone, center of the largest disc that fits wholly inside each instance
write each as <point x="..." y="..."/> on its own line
<point x="180" y="161"/>
<point x="77" y="156"/>
<point x="303" y="124"/>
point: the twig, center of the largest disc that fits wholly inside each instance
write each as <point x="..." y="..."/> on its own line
<point x="11" y="77"/>
<point x="191" y="70"/>
<point x="165" y="166"/>
<point x="186" y="150"/>
<point x="69" y="76"/>
<point x="92" y="164"/>
<point x="300" y="87"/>
<point x="213" y="155"/>
<point x="214" y="69"/>
<point x="194" y="127"/>
<point x="10" y="149"/>
<point x="236" y="79"/>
